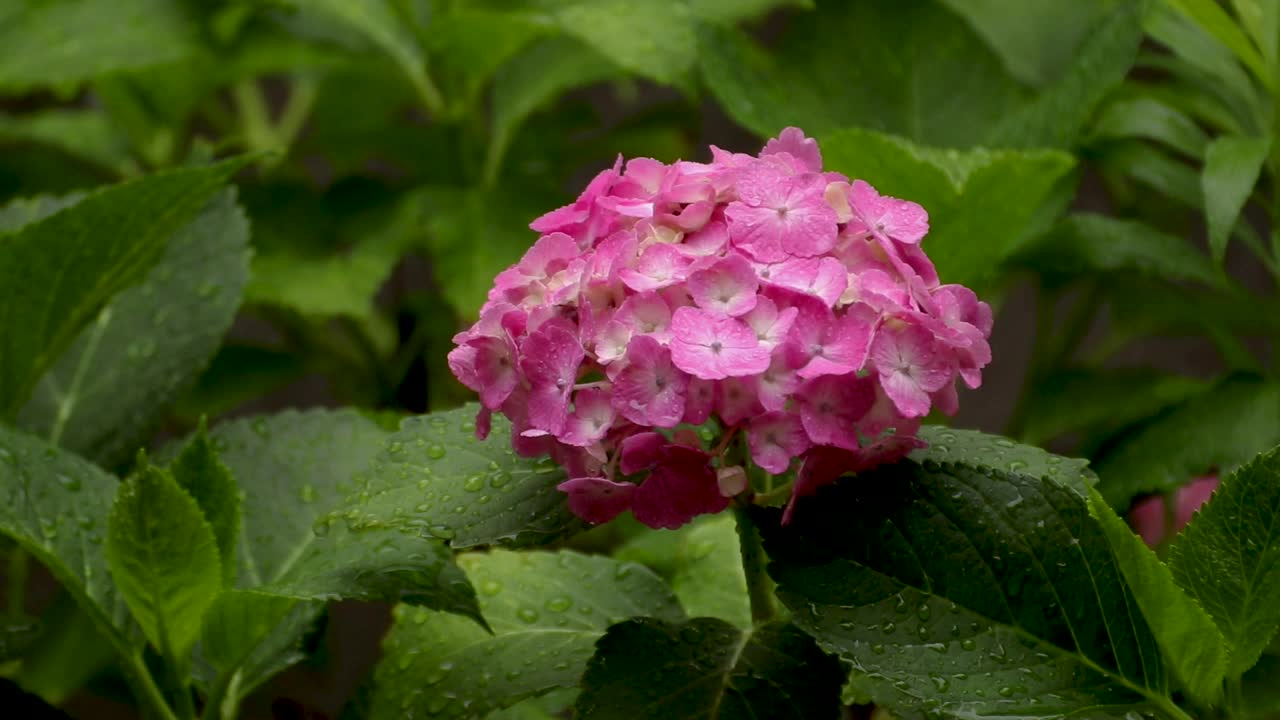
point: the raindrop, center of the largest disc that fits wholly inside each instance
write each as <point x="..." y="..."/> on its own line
<point x="528" y="615"/>
<point x="940" y="683"/>
<point x="560" y="603"/>
<point x="877" y="649"/>
<point x="435" y="452"/>
<point x="1005" y="692"/>
<point x="490" y="587"/>
<point x="72" y="484"/>
<point x="923" y="612"/>
<point x="968" y="644"/>
<point x="473" y="484"/>
<point x="308" y="493"/>
<point x="444" y="532"/>
<point x="499" y="479"/>
<point x="395" y="447"/>
<point x="888" y="628"/>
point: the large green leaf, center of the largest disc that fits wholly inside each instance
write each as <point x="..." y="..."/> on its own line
<point x="961" y="190"/>
<point x="1036" y="39"/>
<point x="1192" y="644"/>
<point x="703" y="564"/>
<point x="1086" y="243"/>
<point x="1231" y="169"/>
<point x="653" y="38"/>
<point x="293" y="467"/>
<point x="921" y="74"/>
<point x="984" y="451"/>
<point x="434" y="478"/>
<point x="1213" y="19"/>
<point x="707" y="668"/>
<point x="110" y="388"/>
<point x="58" y="272"/>
<point x="1228" y="558"/>
<point x="54" y="505"/>
<point x="164" y="558"/>
<point x="1058" y="114"/>
<point x="967" y="591"/>
<point x="1220" y="429"/>
<point x="53" y="43"/>
<point x="322" y="287"/>
<point x="83" y="134"/>
<point x="248" y="637"/>
<point x="547" y="611"/>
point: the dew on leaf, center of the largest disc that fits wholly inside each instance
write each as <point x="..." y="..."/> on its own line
<point x="528" y="615"/>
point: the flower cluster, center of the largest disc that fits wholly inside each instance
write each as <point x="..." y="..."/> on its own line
<point x="790" y="305"/>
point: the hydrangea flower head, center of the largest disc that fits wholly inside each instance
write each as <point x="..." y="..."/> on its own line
<point x="789" y="311"/>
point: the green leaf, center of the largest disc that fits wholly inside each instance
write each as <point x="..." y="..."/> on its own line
<point x="1151" y="119"/>
<point x="1211" y="17"/>
<point x="1203" y="62"/>
<point x="922" y="74"/>
<point x="54" y="505"/>
<point x="113" y="385"/>
<point x="164" y="558"/>
<point x="653" y="38"/>
<point x="1261" y="19"/>
<point x="434" y="477"/>
<point x="981" y="450"/>
<point x="469" y="45"/>
<point x="56" y="43"/>
<point x="651" y="668"/>
<point x="547" y="611"/>
<point x="1057" y="115"/>
<point x="1261" y="688"/>
<point x="1220" y="429"/>
<point x="731" y="11"/>
<point x="236" y="624"/>
<point x="292" y="467"/>
<point x="198" y="470"/>
<point x="87" y="135"/>
<point x="961" y="190"/>
<point x="1086" y="243"/>
<point x="473" y="235"/>
<point x="61" y="270"/>
<point x="1191" y="643"/>
<point x="378" y="564"/>
<point x="1097" y="401"/>
<point x="703" y="564"/>
<point x="322" y="287"/>
<point x="1231" y="169"/>
<point x="532" y="80"/>
<point x="1228" y="558"/>
<point x="967" y="591"/>
<point x="1036" y="39"/>
<point x="376" y="21"/>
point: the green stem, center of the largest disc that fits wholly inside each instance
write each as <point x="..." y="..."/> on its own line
<point x="1235" y="698"/>
<point x="16" y="582"/>
<point x="759" y="586"/>
<point x="144" y="687"/>
<point x="302" y="97"/>
<point x="221" y="702"/>
<point x="255" y="118"/>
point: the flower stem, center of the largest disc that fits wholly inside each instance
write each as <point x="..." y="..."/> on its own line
<point x="759" y="586"/>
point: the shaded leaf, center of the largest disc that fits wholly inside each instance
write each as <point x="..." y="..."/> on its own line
<point x="236" y="623"/>
<point x="981" y="450"/>
<point x="651" y="668"/>
<point x="546" y="609"/>
<point x="433" y="477"/>
<point x="1086" y="243"/>
<point x="1191" y="643"/>
<point x="1152" y="119"/>
<point x="971" y="591"/>
<point x="164" y="558"/>
<point x="1231" y="169"/>
<point x="1097" y="401"/>
<point x="1213" y="19"/>
<point x="961" y="190"/>
<point x="117" y="379"/>
<point x="1220" y="429"/>
<point x="1228" y="558"/>
<point x="652" y="38"/>
<point x="55" y="43"/>
<point x="62" y="269"/>
<point x="923" y="74"/>
<point x="86" y="135"/>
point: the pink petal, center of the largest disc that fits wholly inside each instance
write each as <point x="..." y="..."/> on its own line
<point x="775" y="438"/>
<point x="831" y="406"/>
<point x="596" y="499"/>
<point x="640" y="452"/>
<point x="649" y="390"/>
<point x="677" y="491"/>
<point x="728" y="286"/>
<point x="793" y="142"/>
<point x="713" y="346"/>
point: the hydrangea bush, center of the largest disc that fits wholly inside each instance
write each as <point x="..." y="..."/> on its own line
<point x="687" y="447"/>
<point x="791" y="308"/>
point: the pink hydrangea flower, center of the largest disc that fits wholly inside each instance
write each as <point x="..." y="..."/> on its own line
<point x="791" y="309"/>
<point x="1148" y="515"/>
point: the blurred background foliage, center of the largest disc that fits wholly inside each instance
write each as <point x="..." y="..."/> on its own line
<point x="1103" y="171"/>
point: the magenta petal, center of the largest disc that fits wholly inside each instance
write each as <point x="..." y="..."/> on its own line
<point x="676" y="493"/>
<point x="640" y="452"/>
<point x="597" y="500"/>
